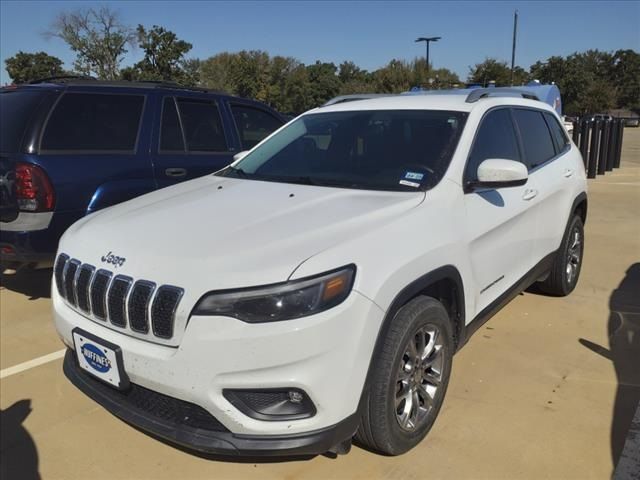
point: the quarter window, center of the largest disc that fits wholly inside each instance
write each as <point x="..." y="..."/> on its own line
<point x="253" y="125"/>
<point x="558" y="132"/>
<point x="170" y="133"/>
<point x="94" y="122"/>
<point x="202" y="126"/>
<point x="535" y="135"/>
<point x="496" y="138"/>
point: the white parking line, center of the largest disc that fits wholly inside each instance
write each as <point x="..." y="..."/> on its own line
<point x="29" y="364"/>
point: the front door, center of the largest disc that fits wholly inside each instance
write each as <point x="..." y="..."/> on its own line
<point x="500" y="223"/>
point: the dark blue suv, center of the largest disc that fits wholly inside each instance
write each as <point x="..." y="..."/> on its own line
<point x="71" y="147"/>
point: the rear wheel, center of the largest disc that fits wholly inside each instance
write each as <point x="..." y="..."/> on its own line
<point x="564" y="274"/>
<point x="409" y="378"/>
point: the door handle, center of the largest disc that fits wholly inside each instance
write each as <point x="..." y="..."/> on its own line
<point x="529" y="193"/>
<point x="175" y="172"/>
<point x="568" y="173"/>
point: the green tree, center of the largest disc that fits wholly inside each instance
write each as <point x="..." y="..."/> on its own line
<point x="625" y="75"/>
<point x="493" y="70"/>
<point x="397" y="76"/>
<point x="164" y="58"/>
<point x="438" y="78"/>
<point x="325" y="82"/>
<point x="24" y="67"/>
<point x="586" y="80"/>
<point x="98" y="37"/>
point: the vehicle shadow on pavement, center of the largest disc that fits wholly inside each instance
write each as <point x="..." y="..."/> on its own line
<point x="33" y="283"/>
<point x="18" y="454"/>
<point x="624" y="351"/>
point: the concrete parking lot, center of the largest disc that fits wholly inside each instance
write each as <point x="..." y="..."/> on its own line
<point x="546" y="389"/>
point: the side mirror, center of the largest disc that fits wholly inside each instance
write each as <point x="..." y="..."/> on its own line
<point x="240" y="155"/>
<point x="500" y="173"/>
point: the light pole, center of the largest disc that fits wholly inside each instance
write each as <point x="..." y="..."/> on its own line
<point x="427" y="40"/>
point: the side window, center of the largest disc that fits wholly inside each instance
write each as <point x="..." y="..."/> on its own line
<point x="253" y="124"/>
<point x="202" y="126"/>
<point x="496" y="138"/>
<point x="94" y="122"/>
<point x="170" y="130"/>
<point x="558" y="132"/>
<point x="536" y="138"/>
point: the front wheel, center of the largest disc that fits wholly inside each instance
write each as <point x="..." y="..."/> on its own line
<point x="409" y="378"/>
<point x="564" y="274"/>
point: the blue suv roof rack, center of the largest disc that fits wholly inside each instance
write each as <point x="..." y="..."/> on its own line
<point x="479" y="93"/>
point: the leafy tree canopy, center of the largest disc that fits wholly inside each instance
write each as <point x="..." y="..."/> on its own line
<point x="24" y="67"/>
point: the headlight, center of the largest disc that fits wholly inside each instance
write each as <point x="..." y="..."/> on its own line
<point x="284" y="301"/>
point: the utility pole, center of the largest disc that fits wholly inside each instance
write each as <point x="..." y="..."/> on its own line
<point x="513" y="48"/>
<point x="427" y="40"/>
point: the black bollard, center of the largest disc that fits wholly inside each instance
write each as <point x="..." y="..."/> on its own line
<point x="576" y="131"/>
<point x="592" y="161"/>
<point x="604" y="147"/>
<point x="584" y="140"/>
<point x="616" y="163"/>
<point x="613" y="145"/>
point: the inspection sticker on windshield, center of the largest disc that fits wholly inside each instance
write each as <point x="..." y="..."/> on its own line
<point x="409" y="184"/>
<point x="414" y="176"/>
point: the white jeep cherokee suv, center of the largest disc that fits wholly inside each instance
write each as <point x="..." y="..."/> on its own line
<point x="318" y="288"/>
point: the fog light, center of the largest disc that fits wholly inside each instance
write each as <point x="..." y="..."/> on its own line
<point x="295" y="397"/>
<point x="272" y="404"/>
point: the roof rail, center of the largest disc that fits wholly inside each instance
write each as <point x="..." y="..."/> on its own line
<point x="355" y="97"/>
<point x="479" y="93"/>
<point x="61" y="78"/>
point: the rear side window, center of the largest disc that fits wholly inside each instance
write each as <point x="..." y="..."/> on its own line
<point x="16" y="108"/>
<point x="496" y="138"/>
<point x="202" y="126"/>
<point x="170" y="133"/>
<point x="535" y="135"/>
<point x="253" y="124"/>
<point x="558" y="132"/>
<point x="94" y="122"/>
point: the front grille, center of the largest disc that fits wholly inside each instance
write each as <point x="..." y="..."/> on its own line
<point x="164" y="309"/>
<point x="139" y="306"/>
<point x="58" y="272"/>
<point x="118" y="299"/>
<point x="82" y="287"/>
<point x="69" y="280"/>
<point x="98" y="294"/>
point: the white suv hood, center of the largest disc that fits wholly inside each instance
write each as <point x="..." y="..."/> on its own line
<point x="218" y="233"/>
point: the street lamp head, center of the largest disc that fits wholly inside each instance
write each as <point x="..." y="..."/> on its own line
<point x="428" y="39"/>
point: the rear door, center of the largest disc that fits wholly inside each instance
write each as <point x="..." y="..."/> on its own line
<point x="192" y="140"/>
<point x="546" y="148"/>
<point x="500" y="225"/>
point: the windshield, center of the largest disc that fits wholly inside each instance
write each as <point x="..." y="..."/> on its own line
<point x="16" y="107"/>
<point x="379" y="150"/>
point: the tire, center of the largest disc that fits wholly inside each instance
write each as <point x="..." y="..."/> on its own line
<point x="564" y="274"/>
<point x="385" y="425"/>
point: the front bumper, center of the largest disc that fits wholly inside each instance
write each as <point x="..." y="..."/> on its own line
<point x="217" y="442"/>
<point x="325" y="355"/>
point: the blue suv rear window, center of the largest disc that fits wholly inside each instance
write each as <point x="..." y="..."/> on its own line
<point x="94" y="122"/>
<point x="16" y="108"/>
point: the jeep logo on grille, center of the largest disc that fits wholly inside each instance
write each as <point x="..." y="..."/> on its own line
<point x="113" y="259"/>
